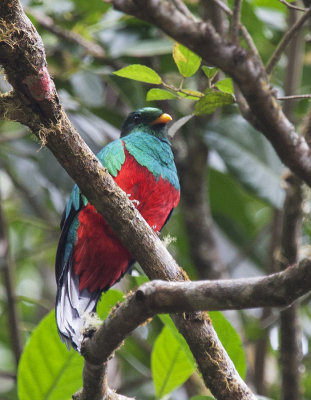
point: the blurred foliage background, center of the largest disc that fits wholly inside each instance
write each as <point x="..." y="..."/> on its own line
<point x="229" y="173"/>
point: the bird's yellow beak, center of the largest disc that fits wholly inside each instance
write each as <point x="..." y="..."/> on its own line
<point x="162" y="119"/>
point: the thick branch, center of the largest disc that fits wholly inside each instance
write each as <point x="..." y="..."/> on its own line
<point x="158" y="297"/>
<point x="236" y="62"/>
<point x="262" y="344"/>
<point x="95" y="386"/>
<point x="27" y="74"/>
<point x="290" y="336"/>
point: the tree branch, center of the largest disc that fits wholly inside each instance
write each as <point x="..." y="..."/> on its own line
<point x="47" y="23"/>
<point x="7" y="270"/>
<point x="158" y="297"/>
<point x="236" y="20"/>
<point x="276" y="290"/>
<point x="247" y="72"/>
<point x="306" y="128"/>
<point x="245" y="33"/>
<point x="295" y="97"/>
<point x="180" y="5"/>
<point x="290" y="332"/>
<point x="289" y="35"/>
<point x="95" y="386"/>
<point x="262" y="344"/>
<point x="290" y="342"/>
<point x="292" y="6"/>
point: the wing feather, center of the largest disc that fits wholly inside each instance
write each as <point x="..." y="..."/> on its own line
<point x="73" y="304"/>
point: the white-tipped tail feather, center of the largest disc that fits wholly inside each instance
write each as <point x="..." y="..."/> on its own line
<point x="73" y="309"/>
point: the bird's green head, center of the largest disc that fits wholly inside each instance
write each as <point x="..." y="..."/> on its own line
<point x="148" y="120"/>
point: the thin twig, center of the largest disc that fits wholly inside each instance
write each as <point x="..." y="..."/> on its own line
<point x="183" y="9"/>
<point x="7" y="269"/>
<point x="294" y="54"/>
<point x="90" y="47"/>
<point x="295" y="97"/>
<point x="235" y="27"/>
<point x="224" y="7"/>
<point x="293" y="6"/>
<point x="285" y="41"/>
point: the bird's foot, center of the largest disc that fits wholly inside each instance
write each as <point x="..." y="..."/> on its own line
<point x="136" y="202"/>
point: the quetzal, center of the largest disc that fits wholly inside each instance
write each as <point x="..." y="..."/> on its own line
<point x="90" y="257"/>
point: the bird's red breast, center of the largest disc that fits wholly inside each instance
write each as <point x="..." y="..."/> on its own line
<point x="100" y="259"/>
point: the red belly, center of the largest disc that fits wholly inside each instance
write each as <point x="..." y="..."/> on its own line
<point x="100" y="259"/>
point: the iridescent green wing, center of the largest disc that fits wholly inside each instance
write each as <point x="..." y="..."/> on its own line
<point x="112" y="157"/>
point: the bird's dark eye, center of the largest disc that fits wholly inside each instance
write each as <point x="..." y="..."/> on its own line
<point x="137" y="118"/>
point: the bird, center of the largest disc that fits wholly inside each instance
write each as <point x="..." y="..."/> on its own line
<point x="90" y="257"/>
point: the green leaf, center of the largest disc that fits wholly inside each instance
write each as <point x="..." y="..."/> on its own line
<point x="46" y="369"/>
<point x="225" y="85"/>
<point x="239" y="214"/>
<point x="168" y="322"/>
<point x="212" y="100"/>
<point x="107" y="301"/>
<point x="160" y="94"/>
<point x="249" y="157"/>
<point x="169" y="365"/>
<point x="210" y="72"/>
<point x="226" y="333"/>
<point x="187" y="62"/>
<point x="140" y="73"/>
<point x="230" y="340"/>
<point x="202" y="398"/>
<point x="140" y="279"/>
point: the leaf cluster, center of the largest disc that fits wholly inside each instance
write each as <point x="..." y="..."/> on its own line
<point x="188" y="63"/>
